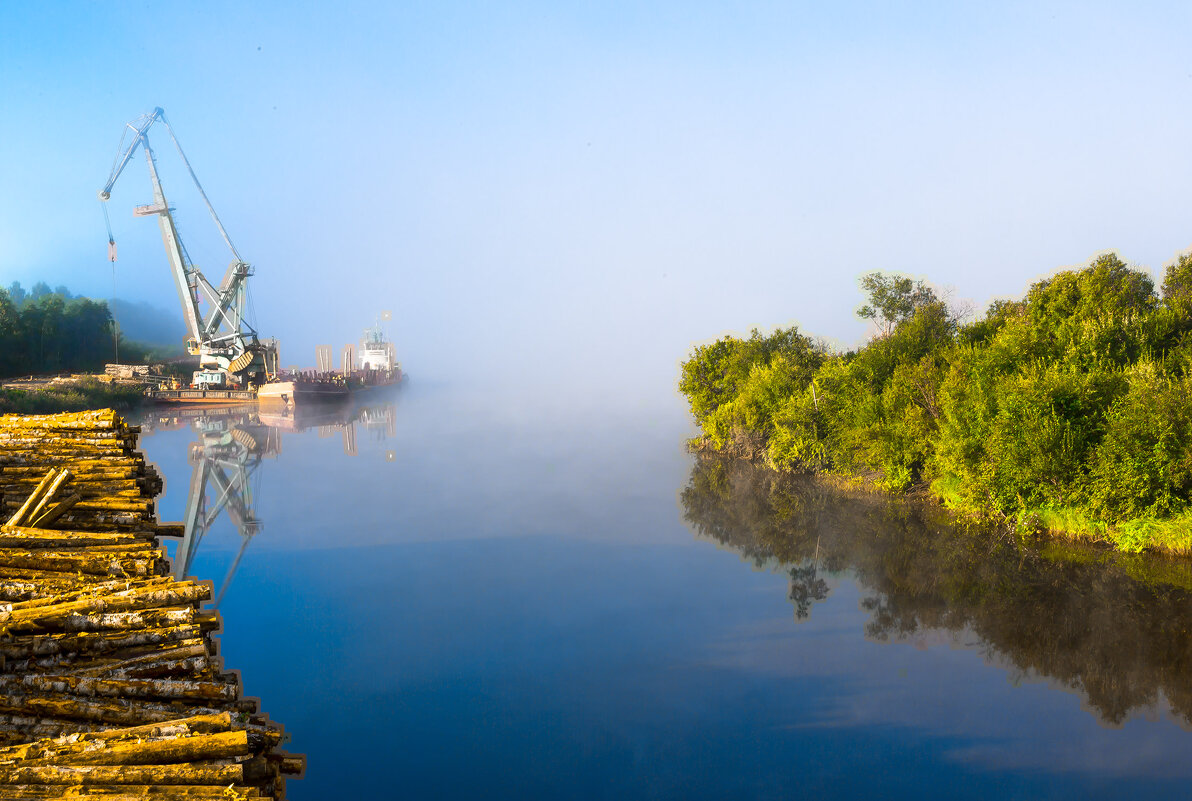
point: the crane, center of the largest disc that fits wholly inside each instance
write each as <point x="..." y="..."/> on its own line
<point x="231" y="355"/>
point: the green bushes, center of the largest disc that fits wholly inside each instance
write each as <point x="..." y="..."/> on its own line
<point x="1143" y="465"/>
<point x="758" y="399"/>
<point x="1021" y="440"/>
<point x="1072" y="406"/>
<point x="736" y="384"/>
<point x="879" y="404"/>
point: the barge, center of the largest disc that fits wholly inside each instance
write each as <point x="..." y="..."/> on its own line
<point x="374" y="367"/>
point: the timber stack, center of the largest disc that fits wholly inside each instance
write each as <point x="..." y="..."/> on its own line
<point x="110" y="682"/>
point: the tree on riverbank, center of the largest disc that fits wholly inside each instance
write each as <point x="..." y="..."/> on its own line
<point x="49" y="331"/>
<point x="1071" y="408"/>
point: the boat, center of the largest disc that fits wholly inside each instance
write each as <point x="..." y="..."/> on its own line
<point x="188" y="395"/>
<point x="303" y="388"/>
<point x="373" y="368"/>
<point x="377" y="363"/>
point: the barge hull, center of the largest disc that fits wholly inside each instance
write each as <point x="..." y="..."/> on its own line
<point x="203" y="396"/>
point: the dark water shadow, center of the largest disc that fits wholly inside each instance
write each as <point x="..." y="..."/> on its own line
<point x="1116" y="629"/>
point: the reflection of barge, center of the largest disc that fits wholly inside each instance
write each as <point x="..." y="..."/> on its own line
<point x="231" y="443"/>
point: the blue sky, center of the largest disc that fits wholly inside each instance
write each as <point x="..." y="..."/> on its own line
<point x="558" y="195"/>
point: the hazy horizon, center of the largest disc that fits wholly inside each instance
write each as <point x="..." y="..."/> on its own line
<point x="569" y="199"/>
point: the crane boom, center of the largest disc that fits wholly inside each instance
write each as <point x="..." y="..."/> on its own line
<point x="227" y="345"/>
<point x="187" y="289"/>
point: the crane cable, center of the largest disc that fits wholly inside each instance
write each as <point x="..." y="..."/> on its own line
<point x="227" y="240"/>
<point x="107" y="221"/>
<point x="103" y="204"/>
<point x="111" y="239"/>
<point x="112" y="259"/>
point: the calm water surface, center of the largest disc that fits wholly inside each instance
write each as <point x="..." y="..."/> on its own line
<point x="455" y="597"/>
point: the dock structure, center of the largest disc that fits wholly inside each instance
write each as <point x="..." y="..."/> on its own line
<point x="111" y="686"/>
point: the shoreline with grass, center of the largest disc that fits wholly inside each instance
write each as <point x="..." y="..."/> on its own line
<point x="1068" y="411"/>
<point x="71" y="396"/>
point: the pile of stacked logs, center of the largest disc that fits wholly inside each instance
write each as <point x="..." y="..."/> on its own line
<point x="116" y="487"/>
<point x="110" y="682"/>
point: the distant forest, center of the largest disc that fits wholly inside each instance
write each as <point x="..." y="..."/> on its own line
<point x="44" y="330"/>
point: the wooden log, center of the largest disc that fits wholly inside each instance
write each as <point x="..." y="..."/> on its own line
<point x="91" y="520"/>
<point x="56" y="438"/>
<point x="89" y="587"/>
<point x="163" y="751"/>
<point x="95" y="564"/>
<point x="173" y="594"/>
<point x="115" y="711"/>
<point x="47" y="497"/>
<point x="87" y="485"/>
<point x="40" y="461"/>
<point x="159" y="662"/>
<point x="29" y="537"/>
<point x="222" y="775"/>
<point x="150" y="689"/>
<point x="35" y="458"/>
<point x="155" y="660"/>
<point x="29" y="729"/>
<point x="174" y="745"/>
<point x="130" y="792"/>
<point x="141" y="619"/>
<point x="42" y="486"/>
<point x="108" y="642"/>
<point x="170" y="530"/>
<point x="57" y="510"/>
<point x="192" y="724"/>
<point x="293" y="764"/>
<point x="114" y="505"/>
<point x="113" y="472"/>
<point x="98" y="418"/>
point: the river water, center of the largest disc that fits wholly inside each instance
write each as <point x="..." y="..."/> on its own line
<point x="443" y="596"/>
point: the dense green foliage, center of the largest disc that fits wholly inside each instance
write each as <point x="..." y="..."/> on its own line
<point x="1073" y="404"/>
<point x="51" y="331"/>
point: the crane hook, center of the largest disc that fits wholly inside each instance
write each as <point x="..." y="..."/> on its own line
<point x="108" y="223"/>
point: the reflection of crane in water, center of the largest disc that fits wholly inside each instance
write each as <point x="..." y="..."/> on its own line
<point x="225" y="459"/>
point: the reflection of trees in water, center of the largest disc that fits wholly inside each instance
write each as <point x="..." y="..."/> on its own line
<point x="805" y="588"/>
<point x="1117" y="629"/>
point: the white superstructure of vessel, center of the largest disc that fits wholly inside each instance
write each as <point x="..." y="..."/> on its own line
<point x="377" y="352"/>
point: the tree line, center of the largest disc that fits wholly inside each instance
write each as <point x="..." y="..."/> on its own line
<point x="1068" y="409"/>
<point x="45" y="330"/>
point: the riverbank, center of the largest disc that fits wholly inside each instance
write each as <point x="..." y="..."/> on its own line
<point x="1171" y="536"/>
<point x="74" y="395"/>
<point x="1069" y="411"/>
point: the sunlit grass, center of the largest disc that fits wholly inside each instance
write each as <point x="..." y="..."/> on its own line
<point x="87" y="393"/>
<point x="1172" y="535"/>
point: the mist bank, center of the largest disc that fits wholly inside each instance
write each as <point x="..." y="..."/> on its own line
<point x="1069" y="410"/>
